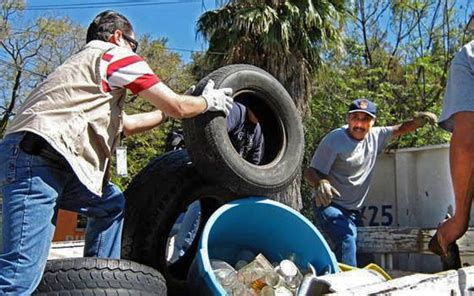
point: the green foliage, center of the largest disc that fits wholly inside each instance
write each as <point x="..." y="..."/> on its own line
<point x="402" y="68"/>
<point x="29" y="55"/>
<point x="44" y="43"/>
<point x="397" y="53"/>
<point x="140" y="150"/>
<point x="166" y="64"/>
<point x="286" y="38"/>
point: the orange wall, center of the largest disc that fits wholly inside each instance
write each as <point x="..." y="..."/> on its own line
<point x="66" y="227"/>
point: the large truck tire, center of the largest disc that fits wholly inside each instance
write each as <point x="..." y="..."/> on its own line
<point x="212" y="152"/>
<point x="155" y="199"/>
<point x="97" y="276"/>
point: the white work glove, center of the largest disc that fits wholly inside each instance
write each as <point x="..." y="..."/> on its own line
<point x="324" y="193"/>
<point x="217" y="99"/>
<point x="190" y="90"/>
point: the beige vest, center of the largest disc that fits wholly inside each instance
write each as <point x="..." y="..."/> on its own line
<point x="73" y="113"/>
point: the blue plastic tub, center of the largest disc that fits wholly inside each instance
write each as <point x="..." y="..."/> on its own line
<point x="263" y="226"/>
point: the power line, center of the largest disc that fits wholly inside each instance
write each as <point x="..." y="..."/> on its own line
<point x="193" y="50"/>
<point x="166" y="47"/>
<point x="106" y="4"/>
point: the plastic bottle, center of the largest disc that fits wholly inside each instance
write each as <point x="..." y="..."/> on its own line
<point x="227" y="277"/>
<point x="283" y="291"/>
<point x="290" y="274"/>
<point x="267" y="291"/>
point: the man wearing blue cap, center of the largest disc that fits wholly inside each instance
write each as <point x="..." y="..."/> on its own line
<point x="341" y="170"/>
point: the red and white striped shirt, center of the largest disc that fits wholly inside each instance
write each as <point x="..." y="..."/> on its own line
<point x="122" y="68"/>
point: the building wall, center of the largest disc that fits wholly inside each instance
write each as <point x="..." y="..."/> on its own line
<point x="412" y="188"/>
<point x="67" y="228"/>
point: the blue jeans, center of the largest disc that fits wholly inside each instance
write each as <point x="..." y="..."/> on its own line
<point x="34" y="187"/>
<point x="187" y="230"/>
<point x="341" y="226"/>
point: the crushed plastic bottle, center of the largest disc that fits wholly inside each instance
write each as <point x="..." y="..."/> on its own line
<point x="279" y="291"/>
<point x="283" y="291"/>
<point x="290" y="274"/>
<point x="227" y="277"/>
<point x="259" y="277"/>
<point x="267" y="291"/>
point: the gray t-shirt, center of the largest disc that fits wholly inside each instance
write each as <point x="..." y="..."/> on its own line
<point x="459" y="95"/>
<point x="348" y="163"/>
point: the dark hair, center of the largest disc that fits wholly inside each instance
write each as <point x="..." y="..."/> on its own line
<point x="105" y="24"/>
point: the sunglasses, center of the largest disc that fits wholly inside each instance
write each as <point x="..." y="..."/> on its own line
<point x="133" y="43"/>
<point x="470" y="24"/>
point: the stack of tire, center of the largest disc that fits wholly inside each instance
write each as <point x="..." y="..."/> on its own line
<point x="211" y="171"/>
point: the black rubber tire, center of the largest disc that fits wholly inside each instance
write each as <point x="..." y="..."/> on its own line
<point x="155" y="198"/>
<point x="97" y="276"/>
<point x="212" y="152"/>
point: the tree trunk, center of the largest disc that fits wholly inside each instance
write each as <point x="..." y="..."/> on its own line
<point x="299" y="90"/>
<point x="291" y="196"/>
<point x="9" y="110"/>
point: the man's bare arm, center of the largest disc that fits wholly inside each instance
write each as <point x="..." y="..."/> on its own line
<point x="138" y="123"/>
<point x="419" y="119"/>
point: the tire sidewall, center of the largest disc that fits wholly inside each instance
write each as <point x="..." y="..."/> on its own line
<point x="231" y="169"/>
<point x="155" y="199"/>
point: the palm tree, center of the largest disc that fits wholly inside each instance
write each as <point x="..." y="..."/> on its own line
<point x="286" y="38"/>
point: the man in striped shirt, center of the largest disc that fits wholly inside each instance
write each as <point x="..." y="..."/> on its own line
<point x="57" y="149"/>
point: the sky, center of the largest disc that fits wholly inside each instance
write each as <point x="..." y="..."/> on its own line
<point x="172" y="19"/>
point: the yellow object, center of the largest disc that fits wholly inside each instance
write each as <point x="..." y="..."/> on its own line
<point x="345" y="267"/>
<point x="372" y="266"/>
<point x="375" y="267"/>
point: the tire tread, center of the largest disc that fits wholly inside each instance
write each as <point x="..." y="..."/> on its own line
<point x="98" y="276"/>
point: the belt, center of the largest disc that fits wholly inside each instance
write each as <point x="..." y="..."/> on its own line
<point x="356" y="212"/>
<point x="36" y="145"/>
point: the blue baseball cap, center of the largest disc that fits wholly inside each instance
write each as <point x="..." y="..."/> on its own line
<point x="363" y="105"/>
